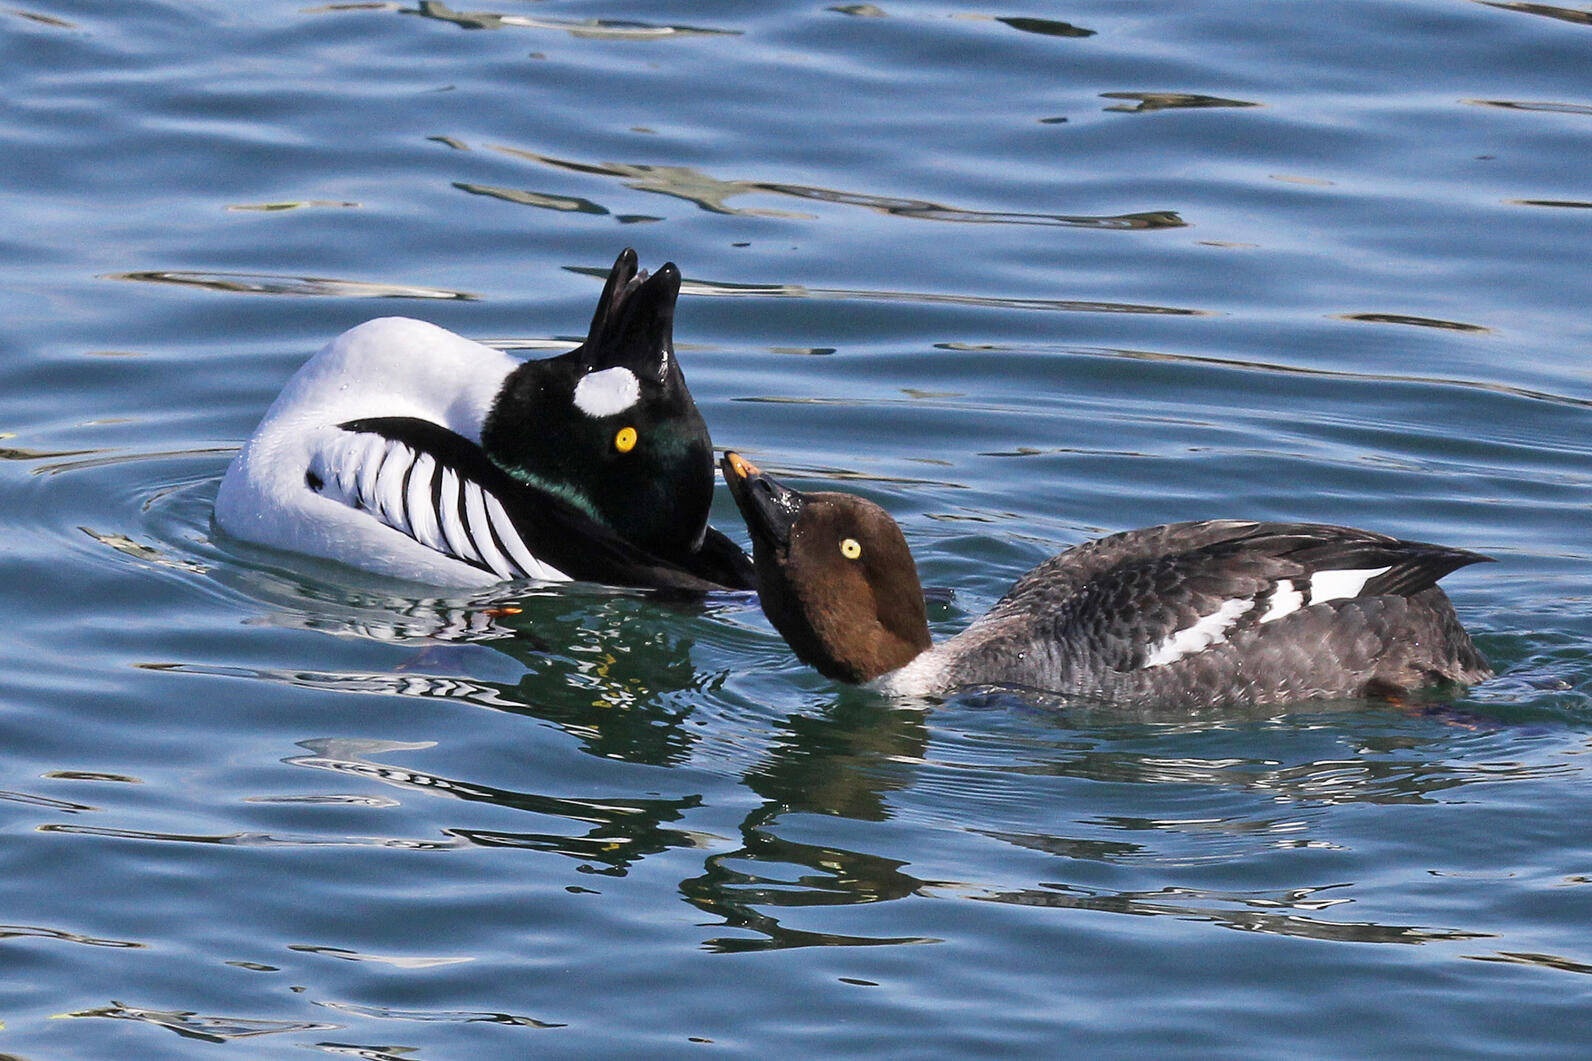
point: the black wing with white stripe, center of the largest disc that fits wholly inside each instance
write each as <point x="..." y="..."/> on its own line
<point x="440" y="489"/>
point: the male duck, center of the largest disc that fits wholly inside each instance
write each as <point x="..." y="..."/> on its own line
<point x="409" y="451"/>
<point x="1183" y="615"/>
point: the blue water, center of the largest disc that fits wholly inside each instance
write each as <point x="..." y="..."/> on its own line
<point x="1023" y="275"/>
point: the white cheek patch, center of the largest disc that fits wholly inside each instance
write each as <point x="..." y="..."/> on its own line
<point x="608" y="392"/>
<point x="1206" y="631"/>
<point x="1332" y="585"/>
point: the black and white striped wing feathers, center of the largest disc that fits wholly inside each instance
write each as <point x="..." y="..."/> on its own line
<point x="441" y="490"/>
<point x="425" y="495"/>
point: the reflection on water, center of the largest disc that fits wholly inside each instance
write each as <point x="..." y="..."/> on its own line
<point x="619" y="833"/>
<point x="291" y="204"/>
<point x="266" y="284"/>
<point x="1046" y="27"/>
<point x="923" y="210"/>
<point x="1282" y="368"/>
<point x="1570" y="204"/>
<point x="397" y="961"/>
<point x="750" y="888"/>
<point x="192" y="1025"/>
<point x="1542" y="961"/>
<point x="713" y="194"/>
<point x="43" y="19"/>
<point x="220" y="1029"/>
<point x="1275" y="914"/>
<point x="139" y="551"/>
<point x="245" y="839"/>
<point x="526" y="198"/>
<point x="1519" y="105"/>
<point x="440" y="1016"/>
<point x="742" y="290"/>
<point x="862" y="759"/>
<point x="1418" y="322"/>
<point x="846" y="762"/>
<point x="1158" y="101"/>
<point x="1554" y="11"/>
<point x="610" y="668"/>
<point x="711" y="287"/>
<point x="32" y="932"/>
<point x="22" y="453"/>
<point x="587" y="29"/>
<point x="617" y="673"/>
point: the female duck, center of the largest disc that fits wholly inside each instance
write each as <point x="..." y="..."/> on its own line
<point x="406" y="450"/>
<point x="1182" y="615"/>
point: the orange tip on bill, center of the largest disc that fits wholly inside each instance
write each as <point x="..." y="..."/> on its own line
<point x="744" y="468"/>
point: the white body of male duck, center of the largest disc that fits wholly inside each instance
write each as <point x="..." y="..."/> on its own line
<point x="1185" y="615"/>
<point x="406" y="450"/>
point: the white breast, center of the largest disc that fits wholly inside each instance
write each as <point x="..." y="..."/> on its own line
<point x="387" y="367"/>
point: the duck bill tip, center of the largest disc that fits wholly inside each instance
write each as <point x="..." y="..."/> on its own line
<point x="769" y="508"/>
<point x="737" y="468"/>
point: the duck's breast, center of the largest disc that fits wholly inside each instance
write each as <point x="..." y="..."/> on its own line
<point x="390" y="367"/>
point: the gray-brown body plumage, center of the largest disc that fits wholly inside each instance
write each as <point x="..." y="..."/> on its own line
<point x="1182" y="615"/>
<point x="1088" y="621"/>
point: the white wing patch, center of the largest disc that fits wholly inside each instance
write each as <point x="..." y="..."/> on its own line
<point x="607" y="392"/>
<point x="410" y="492"/>
<point x="1285" y="600"/>
<point x="1333" y="585"/>
<point x="1207" y="630"/>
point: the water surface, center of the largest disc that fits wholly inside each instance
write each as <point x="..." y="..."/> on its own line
<point x="1021" y="275"/>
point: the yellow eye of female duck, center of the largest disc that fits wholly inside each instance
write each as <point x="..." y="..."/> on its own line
<point x="850" y="548"/>
<point x="625" y="440"/>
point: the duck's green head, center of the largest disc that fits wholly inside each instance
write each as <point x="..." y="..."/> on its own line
<point x="610" y="426"/>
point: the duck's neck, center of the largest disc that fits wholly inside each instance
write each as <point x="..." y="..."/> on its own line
<point x="850" y="638"/>
<point x="558" y="489"/>
<point x="922" y="675"/>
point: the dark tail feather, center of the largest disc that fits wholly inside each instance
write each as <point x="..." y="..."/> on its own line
<point x="1419" y="566"/>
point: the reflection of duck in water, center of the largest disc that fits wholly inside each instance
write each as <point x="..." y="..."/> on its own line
<point x="1192" y="614"/>
<point x="409" y="451"/>
<point x="615" y="668"/>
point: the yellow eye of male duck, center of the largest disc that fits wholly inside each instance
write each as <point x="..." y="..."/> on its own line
<point x="850" y="548"/>
<point x="625" y="440"/>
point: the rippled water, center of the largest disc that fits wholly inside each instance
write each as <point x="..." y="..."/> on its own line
<point x="1022" y="275"/>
